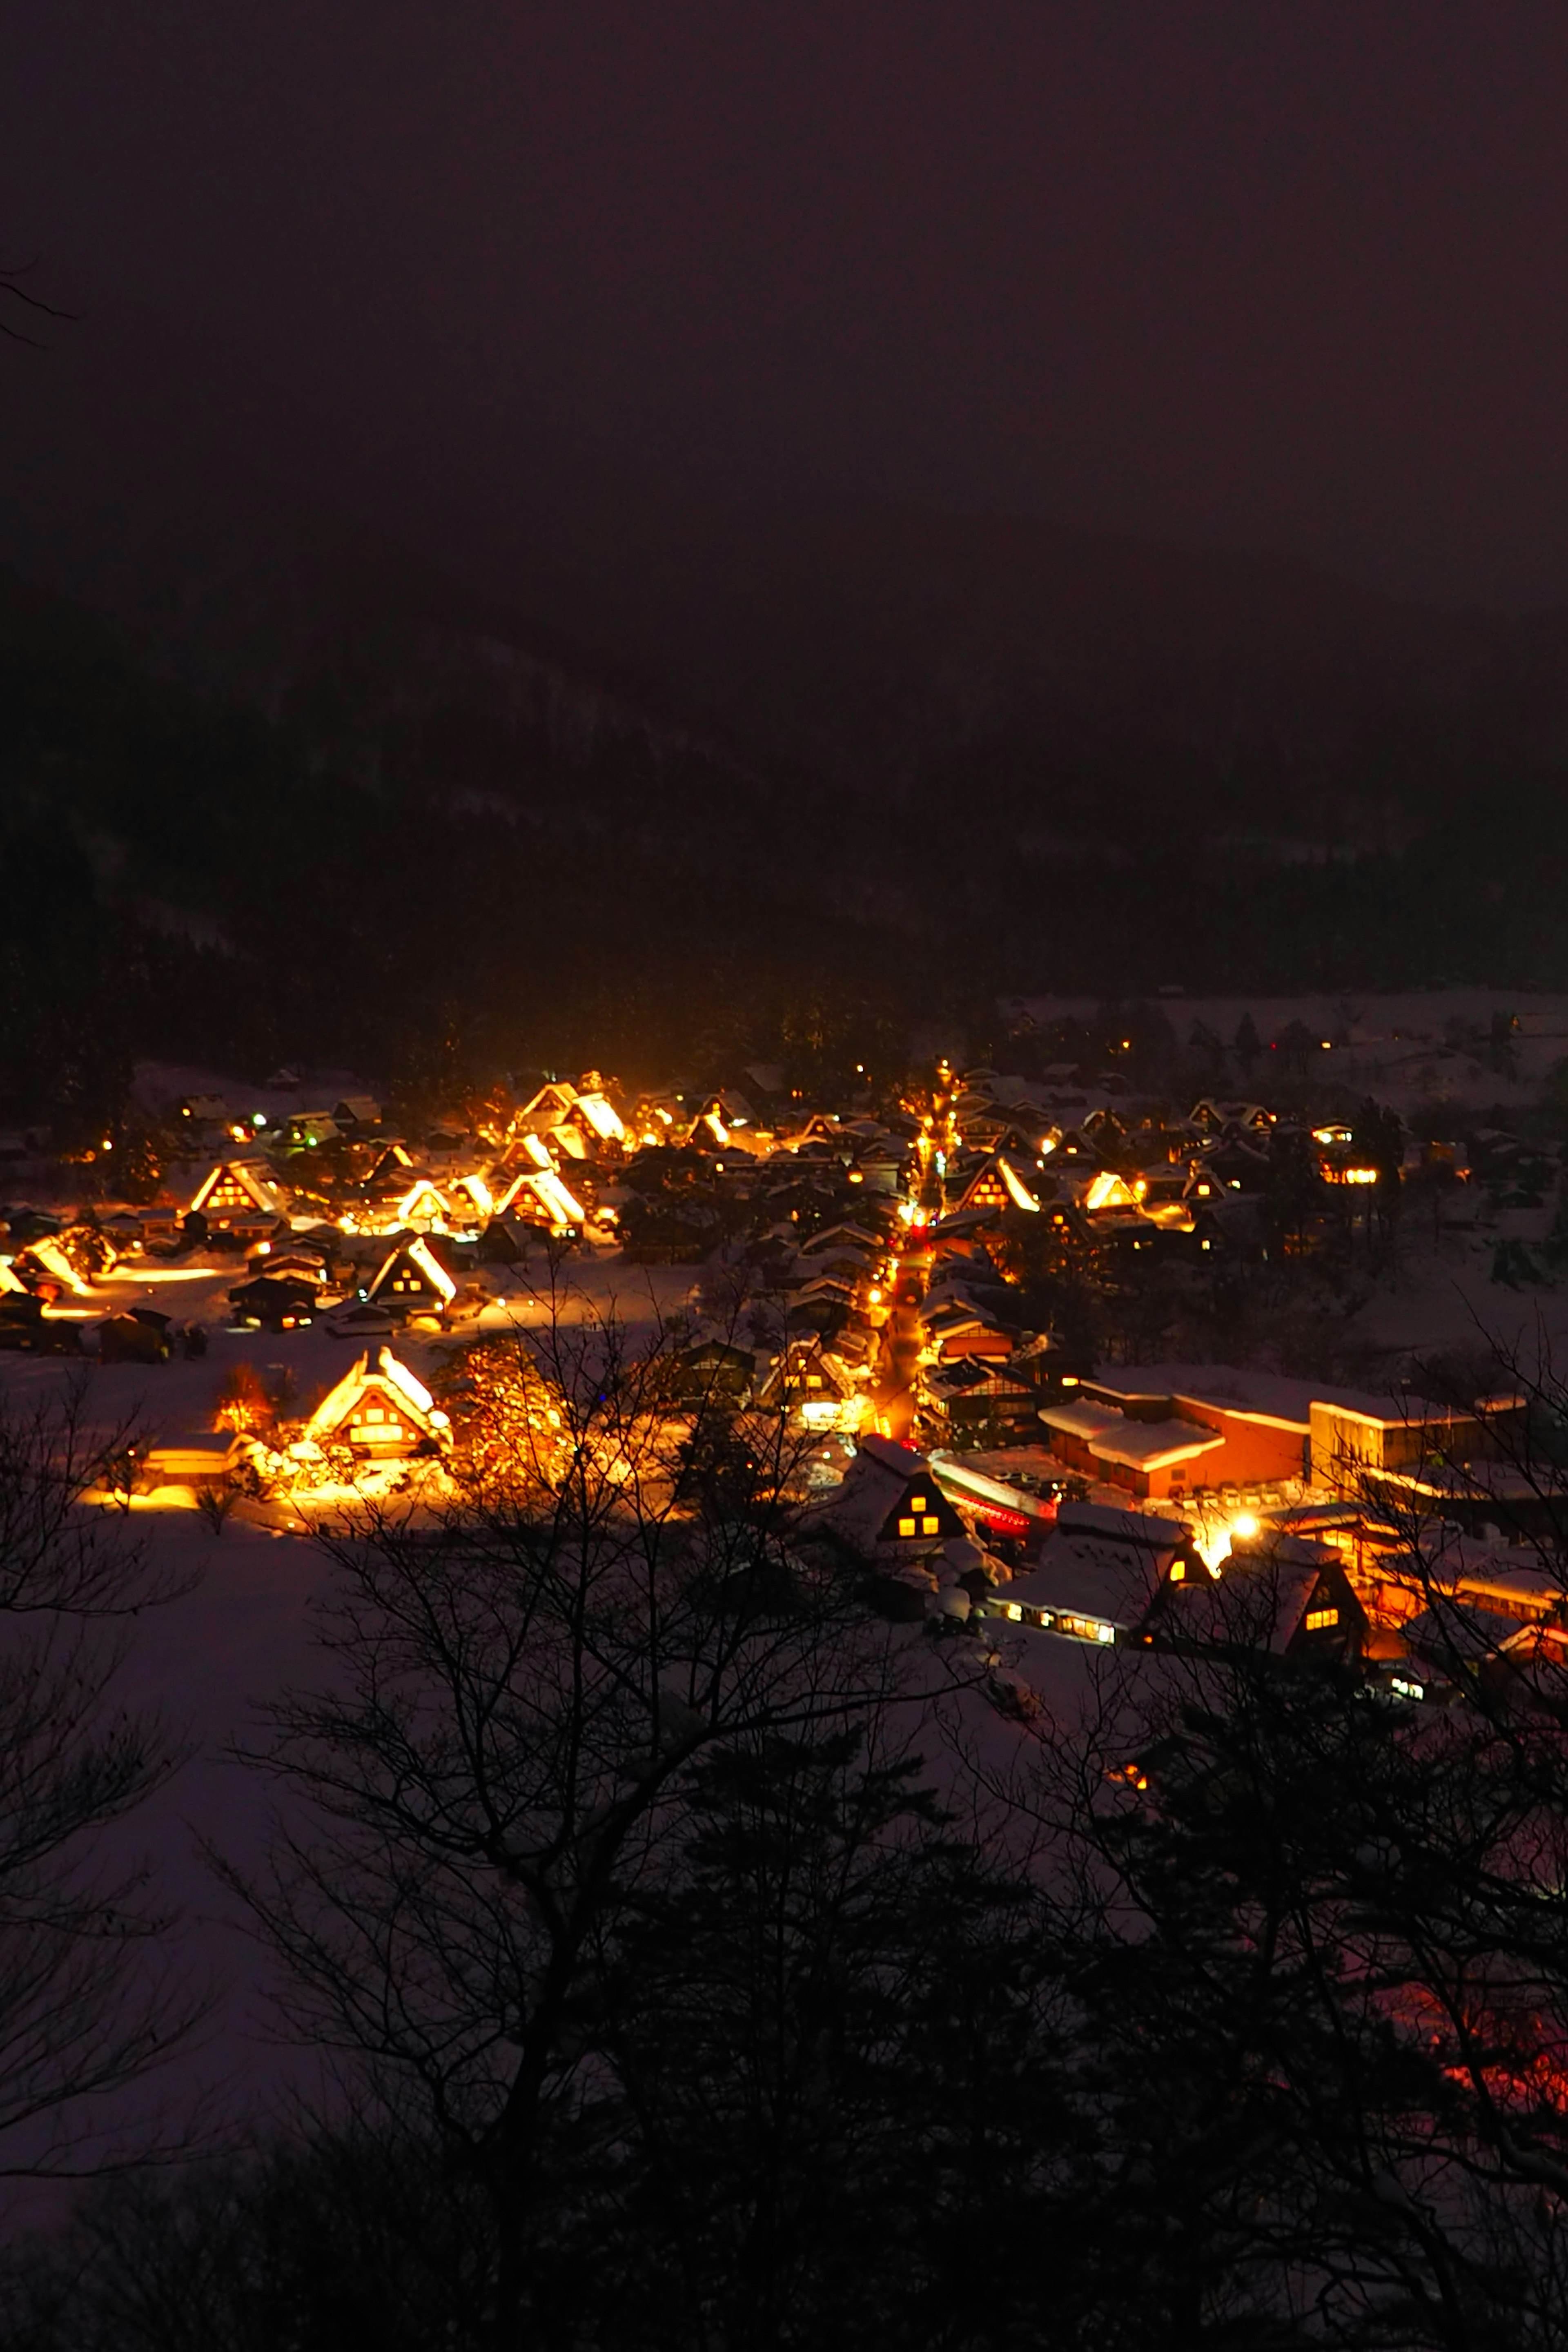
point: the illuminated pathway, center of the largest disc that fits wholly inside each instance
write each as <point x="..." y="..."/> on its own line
<point x="892" y="1393"/>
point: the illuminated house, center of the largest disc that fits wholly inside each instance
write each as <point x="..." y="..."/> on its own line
<point x="412" y="1281"/>
<point x="426" y="1206"/>
<point x="814" y="1382"/>
<point x="380" y="1409"/>
<point x="1003" y="1181"/>
<point x="974" y="1391"/>
<point x="581" y="1124"/>
<point x="471" y="1198"/>
<point x="959" y="1330"/>
<point x="1290" y="1597"/>
<point x="393" y="1171"/>
<point x="527" y="1149"/>
<point x="1107" y="1190"/>
<point x="598" y="1117"/>
<point x="538" y="1196"/>
<point x="549" y="1108"/>
<point x="239" y="1196"/>
<point x="1249" y="1118"/>
<point x="920" y="1513"/>
<point x="48" y="1257"/>
<point x="1100" y="1576"/>
<point x="890" y="1510"/>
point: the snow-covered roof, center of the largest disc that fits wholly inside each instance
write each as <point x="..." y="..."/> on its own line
<point x="254" y="1178"/>
<point x="548" y="1192"/>
<point x="377" y="1364"/>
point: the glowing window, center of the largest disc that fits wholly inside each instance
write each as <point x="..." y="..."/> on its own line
<point x="373" y="1413"/>
<point x="1178" y="1573"/>
<point x="918" y="1502"/>
<point x="931" y="1526"/>
<point x="1317" y="1619"/>
<point x="906" y="1527"/>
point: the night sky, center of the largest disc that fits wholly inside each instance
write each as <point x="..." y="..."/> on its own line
<point x="1292" y="275"/>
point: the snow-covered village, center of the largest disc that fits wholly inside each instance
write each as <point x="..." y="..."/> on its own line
<point x="783" y="1178"/>
<point x="1014" y="1416"/>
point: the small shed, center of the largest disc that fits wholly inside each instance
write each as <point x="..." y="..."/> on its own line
<point x="201" y="1457"/>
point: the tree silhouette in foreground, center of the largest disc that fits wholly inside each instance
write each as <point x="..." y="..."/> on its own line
<point x="88" y="2003"/>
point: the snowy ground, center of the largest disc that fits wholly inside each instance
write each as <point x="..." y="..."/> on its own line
<point x="210" y="1660"/>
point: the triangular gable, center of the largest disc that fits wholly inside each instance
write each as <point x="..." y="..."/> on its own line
<point x="1109" y="1190"/>
<point x="923" y="1513"/>
<point x="999" y="1184"/>
<point x="986" y="1190"/>
<point x="391" y="1164"/>
<point x="479" y="1192"/>
<point x="597" y="1114"/>
<point x="550" y="1104"/>
<point x="540" y="1195"/>
<point x="236" y="1185"/>
<point x="412" y="1277"/>
<point x="806" y="1368"/>
<point x="1330" y="1615"/>
<point x="424" y="1203"/>
<point x="530" y="1147"/>
<point x="379" y="1405"/>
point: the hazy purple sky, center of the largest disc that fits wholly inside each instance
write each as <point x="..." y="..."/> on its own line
<point x="1285" y="272"/>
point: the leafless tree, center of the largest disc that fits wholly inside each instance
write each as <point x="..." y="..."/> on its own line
<point x="87" y="2002"/>
<point x="521" y="1690"/>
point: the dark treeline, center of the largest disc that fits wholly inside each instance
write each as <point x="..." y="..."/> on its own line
<point x="401" y="869"/>
<point x="1269" y="2055"/>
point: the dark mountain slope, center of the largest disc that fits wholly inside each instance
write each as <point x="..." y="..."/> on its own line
<point x="301" y="792"/>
